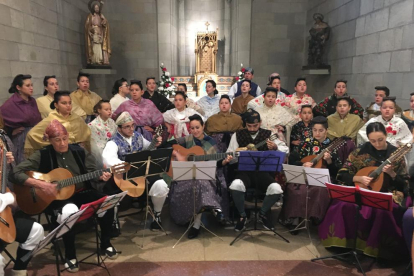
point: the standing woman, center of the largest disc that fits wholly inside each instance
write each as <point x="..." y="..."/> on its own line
<point x="295" y="101"/>
<point x="43" y="103"/>
<point x="62" y="111"/>
<point x="210" y="102"/>
<point x="177" y="119"/>
<point x="120" y="92"/>
<point x="102" y="129"/>
<point x="380" y="233"/>
<point x="143" y="111"/>
<point x="83" y="99"/>
<point x="20" y="113"/>
<point x="210" y="195"/>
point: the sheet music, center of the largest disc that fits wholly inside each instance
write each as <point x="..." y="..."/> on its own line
<point x="183" y="170"/>
<point x="317" y="177"/>
<point x="294" y="174"/>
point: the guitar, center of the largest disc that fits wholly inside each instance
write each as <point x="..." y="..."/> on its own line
<point x="377" y="174"/>
<point x="33" y="200"/>
<point x="136" y="186"/>
<point x="197" y="153"/>
<point x="317" y="160"/>
<point x="7" y="226"/>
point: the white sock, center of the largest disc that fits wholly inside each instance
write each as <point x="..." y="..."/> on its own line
<point x="197" y="221"/>
<point x="158" y="203"/>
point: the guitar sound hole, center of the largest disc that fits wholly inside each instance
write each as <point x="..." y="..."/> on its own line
<point x="190" y="157"/>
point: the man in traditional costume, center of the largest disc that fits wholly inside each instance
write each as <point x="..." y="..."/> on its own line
<point x="127" y="141"/>
<point x="253" y="134"/>
<point x="235" y="90"/>
<point x="161" y="102"/>
<point x="43" y="103"/>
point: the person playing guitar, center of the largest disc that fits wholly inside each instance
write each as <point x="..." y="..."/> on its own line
<point x="77" y="161"/>
<point x="28" y="233"/>
<point x="253" y="134"/>
<point x="127" y="141"/>
<point x="380" y="231"/>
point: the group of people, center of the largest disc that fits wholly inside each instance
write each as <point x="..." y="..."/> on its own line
<point x="81" y="132"/>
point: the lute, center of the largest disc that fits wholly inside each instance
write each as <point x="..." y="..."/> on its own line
<point x="317" y="160"/>
<point x="377" y="183"/>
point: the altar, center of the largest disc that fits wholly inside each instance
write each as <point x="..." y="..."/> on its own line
<point x="206" y="47"/>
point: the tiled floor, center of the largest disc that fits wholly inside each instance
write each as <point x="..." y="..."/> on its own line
<point x="207" y="253"/>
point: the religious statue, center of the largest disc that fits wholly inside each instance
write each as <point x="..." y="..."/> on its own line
<point x="319" y="35"/>
<point x="98" y="47"/>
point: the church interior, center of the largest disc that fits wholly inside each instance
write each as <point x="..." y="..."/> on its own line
<point x="322" y="55"/>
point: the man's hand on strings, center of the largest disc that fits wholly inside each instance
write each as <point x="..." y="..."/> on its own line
<point x="227" y="160"/>
<point x="105" y="176"/>
<point x="271" y="145"/>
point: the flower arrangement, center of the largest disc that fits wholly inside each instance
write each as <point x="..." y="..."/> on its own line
<point x="166" y="84"/>
<point x="240" y="74"/>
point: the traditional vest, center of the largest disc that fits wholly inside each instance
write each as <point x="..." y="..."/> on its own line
<point x="244" y="138"/>
<point x="48" y="160"/>
<point x="252" y="91"/>
<point x="123" y="146"/>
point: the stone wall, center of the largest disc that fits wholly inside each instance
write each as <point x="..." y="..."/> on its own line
<point x="277" y="40"/>
<point x="371" y="44"/>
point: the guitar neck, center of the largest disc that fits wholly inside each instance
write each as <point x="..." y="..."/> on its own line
<point x="153" y="143"/>
<point x="4" y="173"/>
<point x="329" y="148"/>
<point x="81" y="178"/>
<point x="215" y="156"/>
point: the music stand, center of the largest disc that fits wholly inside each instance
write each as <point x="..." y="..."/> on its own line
<point x="148" y="163"/>
<point x="53" y="236"/>
<point x="308" y="177"/>
<point x="360" y="197"/>
<point x="260" y="161"/>
<point x="194" y="171"/>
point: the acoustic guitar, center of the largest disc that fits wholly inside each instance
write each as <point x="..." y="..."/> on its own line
<point x="197" y="153"/>
<point x="33" y="200"/>
<point x="136" y="186"/>
<point x="377" y="183"/>
<point x="317" y="160"/>
<point x="7" y="226"/>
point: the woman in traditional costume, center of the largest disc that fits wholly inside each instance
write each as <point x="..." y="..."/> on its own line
<point x="379" y="231"/>
<point x="239" y="105"/>
<point x="210" y="102"/>
<point x="83" y="100"/>
<point x="102" y="129"/>
<point x="211" y="195"/>
<point x="177" y="119"/>
<point x="79" y="132"/>
<point x="295" y="101"/>
<point x="294" y="205"/>
<point x="43" y="103"/>
<point x="20" y="113"/>
<point x="120" y="92"/>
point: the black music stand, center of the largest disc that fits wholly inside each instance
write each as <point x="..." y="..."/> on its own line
<point x="148" y="163"/>
<point x="360" y="197"/>
<point x="260" y="161"/>
<point x="53" y="236"/>
<point x="205" y="170"/>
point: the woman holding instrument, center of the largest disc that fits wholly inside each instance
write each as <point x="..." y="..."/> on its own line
<point x="211" y="195"/>
<point x="380" y="231"/>
<point x="294" y="206"/>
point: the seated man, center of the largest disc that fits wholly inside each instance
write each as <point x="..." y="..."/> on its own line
<point x="127" y="141"/>
<point x="253" y="134"/>
<point x="28" y="233"/>
<point x="78" y="161"/>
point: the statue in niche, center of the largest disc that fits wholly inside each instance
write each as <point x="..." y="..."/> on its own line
<point x="98" y="47"/>
<point x="319" y="35"/>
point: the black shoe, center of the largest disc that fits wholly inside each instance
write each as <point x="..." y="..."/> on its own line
<point x="291" y="231"/>
<point x="72" y="265"/>
<point x="219" y="215"/>
<point x="193" y="233"/>
<point x="110" y="252"/>
<point x="156" y="224"/>
<point x="240" y="224"/>
<point x="266" y="221"/>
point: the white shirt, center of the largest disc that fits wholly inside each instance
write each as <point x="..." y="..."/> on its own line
<point x="281" y="146"/>
<point x="397" y="130"/>
<point x="233" y="91"/>
<point x="110" y="152"/>
<point x="116" y="101"/>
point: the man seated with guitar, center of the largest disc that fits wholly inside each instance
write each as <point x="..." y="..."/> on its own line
<point x="315" y="152"/>
<point x="380" y="231"/>
<point x="252" y="135"/>
<point x="78" y="162"/>
<point x="26" y="232"/>
<point x="127" y="141"/>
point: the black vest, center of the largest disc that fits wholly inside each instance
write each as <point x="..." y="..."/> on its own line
<point x="244" y="138"/>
